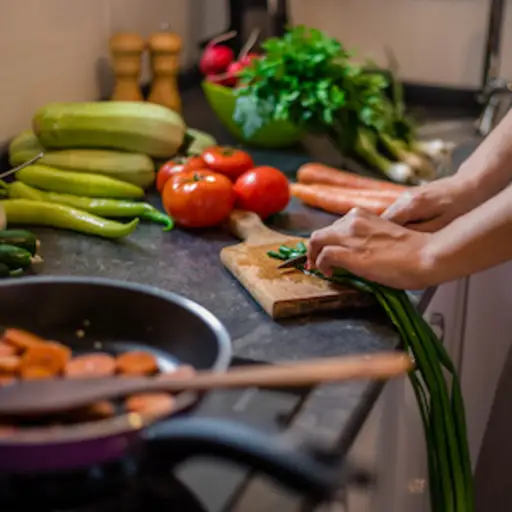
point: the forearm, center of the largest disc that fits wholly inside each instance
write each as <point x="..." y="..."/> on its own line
<point x="489" y="169"/>
<point x="479" y="240"/>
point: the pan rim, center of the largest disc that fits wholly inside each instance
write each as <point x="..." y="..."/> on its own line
<point x="130" y="422"/>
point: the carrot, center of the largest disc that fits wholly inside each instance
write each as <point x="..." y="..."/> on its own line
<point x="9" y="364"/>
<point x="97" y="411"/>
<point x="21" y="339"/>
<point x="137" y="363"/>
<point x="7" y="350"/>
<point x="318" y="173"/>
<point x="91" y="366"/>
<point x="337" y="201"/>
<point x="388" y="195"/>
<point x="44" y="360"/>
<point x="159" y="404"/>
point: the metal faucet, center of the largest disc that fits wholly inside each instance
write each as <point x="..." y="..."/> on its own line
<point x="496" y="92"/>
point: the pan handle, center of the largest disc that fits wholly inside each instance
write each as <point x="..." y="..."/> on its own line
<point x="175" y="441"/>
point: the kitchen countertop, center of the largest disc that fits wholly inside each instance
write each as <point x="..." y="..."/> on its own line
<point x="188" y="263"/>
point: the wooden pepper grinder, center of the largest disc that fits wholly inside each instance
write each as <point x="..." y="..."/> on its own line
<point x="126" y="50"/>
<point x="165" y="48"/>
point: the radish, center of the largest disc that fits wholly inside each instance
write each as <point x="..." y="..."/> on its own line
<point x="217" y="57"/>
<point x="247" y="60"/>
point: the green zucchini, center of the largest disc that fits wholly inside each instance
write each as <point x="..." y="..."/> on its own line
<point x="197" y="141"/>
<point x="20" y="238"/>
<point x="133" y="168"/>
<point x="136" y="126"/>
<point x="24" y="147"/>
<point x="14" y="257"/>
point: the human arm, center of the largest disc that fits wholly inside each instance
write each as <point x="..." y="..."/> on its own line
<point x="487" y="171"/>
<point x="381" y="251"/>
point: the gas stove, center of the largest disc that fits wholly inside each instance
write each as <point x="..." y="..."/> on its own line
<point x="134" y="485"/>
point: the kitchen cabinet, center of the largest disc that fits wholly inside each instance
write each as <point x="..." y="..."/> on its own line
<point x="487" y="338"/>
<point x="391" y="444"/>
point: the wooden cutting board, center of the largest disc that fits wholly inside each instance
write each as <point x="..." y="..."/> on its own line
<point x="280" y="292"/>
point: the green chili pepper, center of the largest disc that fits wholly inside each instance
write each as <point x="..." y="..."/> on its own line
<point x="39" y="213"/>
<point x="97" y="206"/>
<point x="78" y="183"/>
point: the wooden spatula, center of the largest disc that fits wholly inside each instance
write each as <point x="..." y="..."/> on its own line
<point x="280" y="292"/>
<point x="50" y="396"/>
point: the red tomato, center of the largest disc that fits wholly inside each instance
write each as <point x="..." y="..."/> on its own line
<point x="175" y="166"/>
<point x="263" y="190"/>
<point x="198" y="199"/>
<point x="228" y="161"/>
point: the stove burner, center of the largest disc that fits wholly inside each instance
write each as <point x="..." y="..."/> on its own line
<point x="116" y="487"/>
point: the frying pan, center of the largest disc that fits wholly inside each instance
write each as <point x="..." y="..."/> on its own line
<point x="91" y="314"/>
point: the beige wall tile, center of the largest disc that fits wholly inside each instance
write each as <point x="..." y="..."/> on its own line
<point x="57" y="50"/>
<point x="436" y="41"/>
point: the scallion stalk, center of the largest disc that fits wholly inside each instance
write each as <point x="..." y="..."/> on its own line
<point x="441" y="406"/>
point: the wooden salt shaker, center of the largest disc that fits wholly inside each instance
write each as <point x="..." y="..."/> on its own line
<point x="165" y="48"/>
<point x="126" y="49"/>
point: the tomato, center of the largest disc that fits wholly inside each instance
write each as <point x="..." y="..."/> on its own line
<point x="228" y="161"/>
<point x="175" y="166"/>
<point x="263" y="190"/>
<point x="198" y="199"/>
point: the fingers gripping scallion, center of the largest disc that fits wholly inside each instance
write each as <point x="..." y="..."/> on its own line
<point x="441" y="406"/>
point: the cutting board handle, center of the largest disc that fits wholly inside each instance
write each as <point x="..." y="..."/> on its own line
<point x="249" y="227"/>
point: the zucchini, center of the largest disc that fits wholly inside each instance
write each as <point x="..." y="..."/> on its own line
<point x="14" y="257"/>
<point x="20" y="238"/>
<point x="24" y="147"/>
<point x="135" y="126"/>
<point x="197" y="141"/>
<point x="133" y="168"/>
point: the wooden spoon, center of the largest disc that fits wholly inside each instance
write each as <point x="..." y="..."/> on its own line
<point x="50" y="396"/>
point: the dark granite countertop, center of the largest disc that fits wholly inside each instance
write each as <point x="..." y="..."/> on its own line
<point x="188" y="263"/>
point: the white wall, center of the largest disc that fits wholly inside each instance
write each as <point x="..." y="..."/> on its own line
<point x="436" y="41"/>
<point x="56" y="50"/>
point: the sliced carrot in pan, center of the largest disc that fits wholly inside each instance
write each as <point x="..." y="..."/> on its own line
<point x="7" y="350"/>
<point x="9" y="364"/>
<point x="90" y="366"/>
<point x="97" y="411"/>
<point x="21" y="339"/>
<point x="44" y="360"/>
<point x="137" y="363"/>
<point x="151" y="403"/>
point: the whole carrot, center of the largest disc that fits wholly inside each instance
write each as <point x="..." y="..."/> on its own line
<point x="312" y="173"/>
<point x="336" y="201"/>
<point x="390" y="195"/>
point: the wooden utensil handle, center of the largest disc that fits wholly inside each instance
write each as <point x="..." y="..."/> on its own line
<point x="376" y="366"/>
<point x="249" y="227"/>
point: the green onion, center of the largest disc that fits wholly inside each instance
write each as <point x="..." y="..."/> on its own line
<point x="441" y="405"/>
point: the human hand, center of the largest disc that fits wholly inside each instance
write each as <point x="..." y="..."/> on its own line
<point x="375" y="249"/>
<point x="432" y="206"/>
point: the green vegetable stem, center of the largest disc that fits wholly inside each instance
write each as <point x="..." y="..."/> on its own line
<point x="39" y="213"/>
<point x="98" y="206"/>
<point x="440" y="403"/>
<point x="79" y="183"/>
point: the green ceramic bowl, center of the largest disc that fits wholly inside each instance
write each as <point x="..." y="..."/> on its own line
<point x="275" y="134"/>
